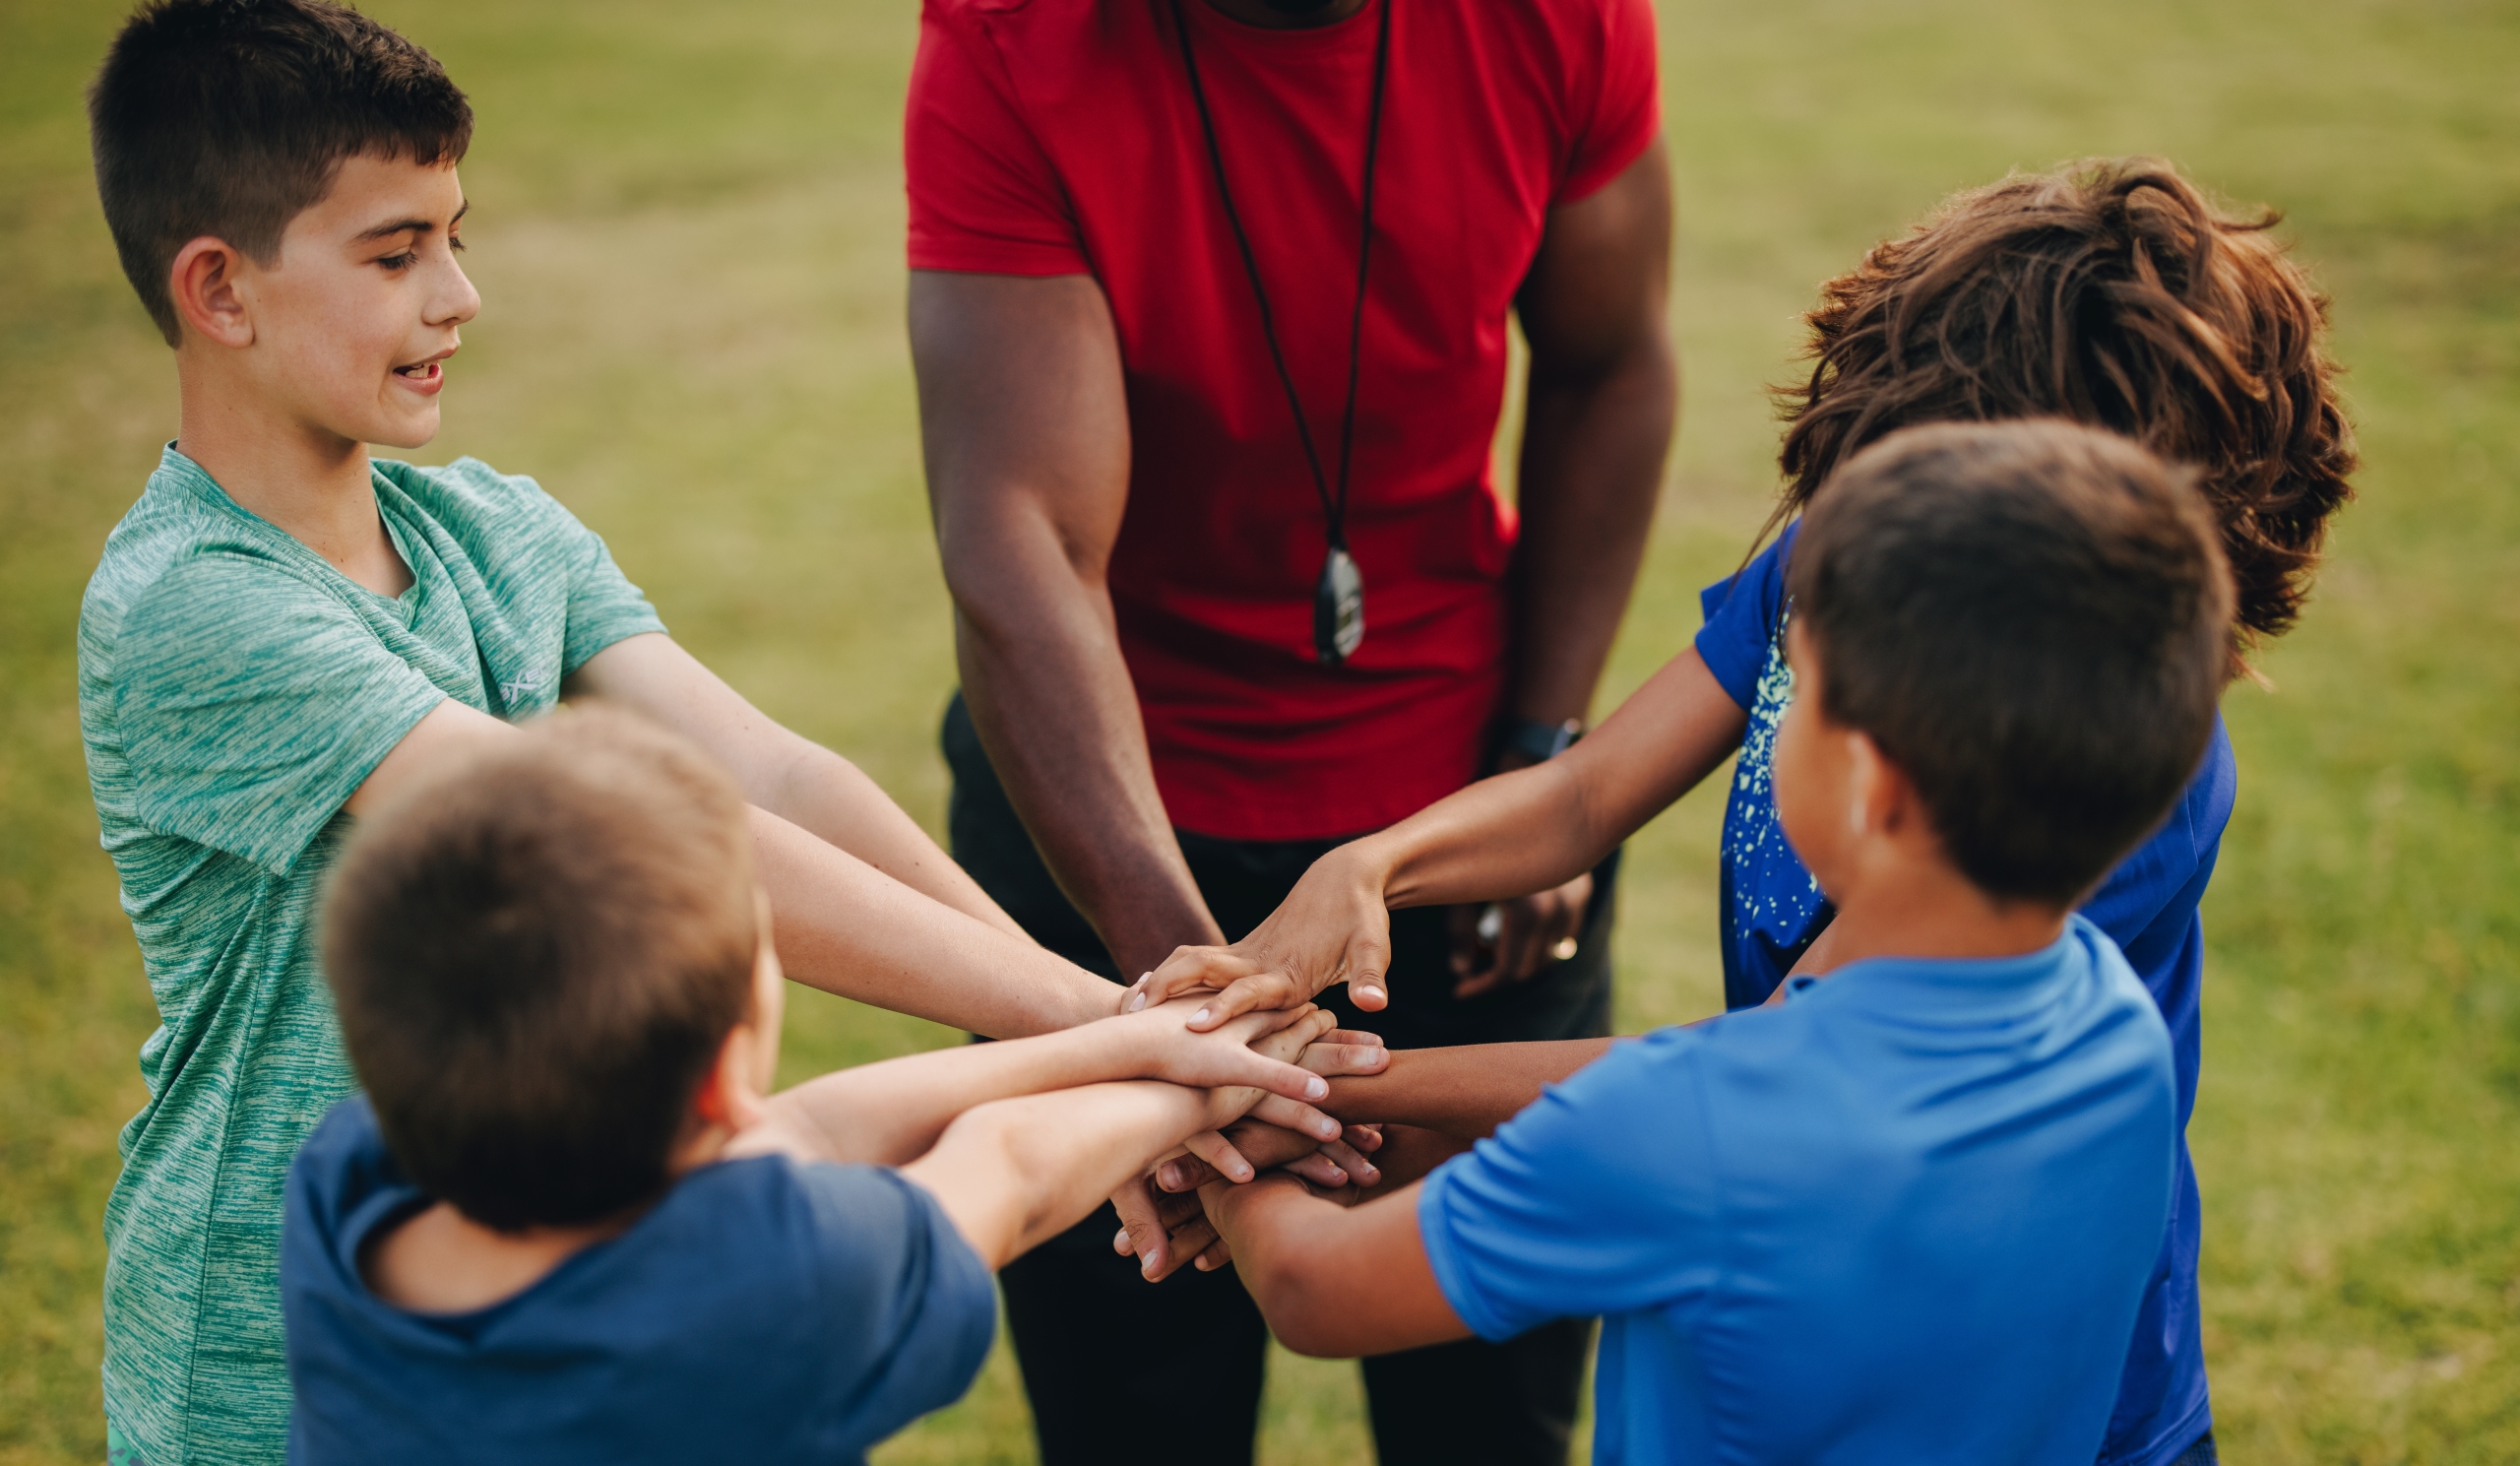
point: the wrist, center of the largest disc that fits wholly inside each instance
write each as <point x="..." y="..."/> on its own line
<point x="1521" y="742"/>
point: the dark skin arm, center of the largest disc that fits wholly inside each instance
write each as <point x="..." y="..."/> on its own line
<point x="1603" y="393"/>
<point x="1334" y="1282"/>
<point x="1026" y="429"/>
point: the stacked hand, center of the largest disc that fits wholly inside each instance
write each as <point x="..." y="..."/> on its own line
<point x="1255" y="1063"/>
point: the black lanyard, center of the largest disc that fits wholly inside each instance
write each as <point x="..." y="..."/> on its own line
<point x="1339" y="597"/>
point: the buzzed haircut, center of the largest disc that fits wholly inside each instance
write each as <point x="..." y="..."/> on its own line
<point x="2031" y="619"/>
<point x="537" y="955"/>
<point x="2112" y="293"/>
<point x="230" y="118"/>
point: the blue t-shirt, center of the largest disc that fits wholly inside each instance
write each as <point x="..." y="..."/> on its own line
<point x="1907" y="1215"/>
<point x="1772" y="911"/>
<point x="763" y="1311"/>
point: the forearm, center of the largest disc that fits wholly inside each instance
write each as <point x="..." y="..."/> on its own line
<point x="891" y="1112"/>
<point x="1016" y="1172"/>
<point x="846" y="927"/>
<point x="1054" y="706"/>
<point x="1023" y="423"/>
<point x="1333" y="1281"/>
<point x="1465" y="1092"/>
<point x="1516" y="833"/>
<point x="828" y="797"/>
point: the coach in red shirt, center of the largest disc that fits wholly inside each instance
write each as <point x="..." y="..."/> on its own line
<point x="1209" y="305"/>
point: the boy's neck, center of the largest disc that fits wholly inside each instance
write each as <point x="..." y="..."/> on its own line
<point x="441" y="1261"/>
<point x="307" y="480"/>
<point x="1920" y="908"/>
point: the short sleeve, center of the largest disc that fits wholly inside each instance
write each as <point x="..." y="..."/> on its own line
<point x="1625" y="110"/>
<point x="1599" y="1199"/>
<point x="984" y="197"/>
<point x="912" y="1306"/>
<point x="252" y="705"/>
<point x="604" y="606"/>
<point x="1741" y="613"/>
<point x="518" y="536"/>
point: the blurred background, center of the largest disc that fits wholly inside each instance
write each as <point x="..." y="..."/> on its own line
<point x="687" y="232"/>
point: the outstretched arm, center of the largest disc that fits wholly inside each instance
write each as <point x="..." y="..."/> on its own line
<point x="1333" y="1281"/>
<point x="888" y="1112"/>
<point x="1518" y="832"/>
<point x="1023" y="419"/>
<point x="842" y="925"/>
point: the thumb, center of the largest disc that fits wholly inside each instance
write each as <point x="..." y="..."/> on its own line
<point x="1368" y="959"/>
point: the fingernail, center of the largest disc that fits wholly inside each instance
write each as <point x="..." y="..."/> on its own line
<point x="1318" y="1089"/>
<point x="1200" y="1016"/>
<point x="1170" y="1177"/>
<point x="1146" y="1267"/>
<point x="1136" y="1000"/>
<point x="1327" y="1129"/>
<point x="1241" y="1173"/>
<point x="1371" y="991"/>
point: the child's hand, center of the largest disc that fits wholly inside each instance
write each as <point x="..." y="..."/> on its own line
<point x="1331" y="927"/>
<point x="1236" y="1055"/>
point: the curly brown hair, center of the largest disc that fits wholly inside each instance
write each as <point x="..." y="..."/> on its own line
<point x="2113" y="292"/>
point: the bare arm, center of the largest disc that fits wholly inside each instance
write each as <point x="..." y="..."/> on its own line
<point x="1025" y="424"/>
<point x="1518" y="832"/>
<point x="1013" y="1174"/>
<point x="1334" y="1282"/>
<point x="890" y="1112"/>
<point x="782" y="772"/>
<point x="1465" y="1092"/>
<point x="843" y="925"/>
<point x="1603" y="391"/>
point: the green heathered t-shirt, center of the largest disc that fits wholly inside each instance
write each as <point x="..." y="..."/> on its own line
<point x="234" y="689"/>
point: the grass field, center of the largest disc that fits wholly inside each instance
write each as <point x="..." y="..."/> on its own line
<point x="687" y="232"/>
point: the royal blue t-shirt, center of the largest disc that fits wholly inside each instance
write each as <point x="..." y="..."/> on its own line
<point x="763" y="1311"/>
<point x="1904" y="1216"/>
<point x="1772" y="911"/>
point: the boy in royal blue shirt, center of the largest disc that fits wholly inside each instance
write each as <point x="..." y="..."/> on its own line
<point x="1908" y="1214"/>
<point x="563" y="1224"/>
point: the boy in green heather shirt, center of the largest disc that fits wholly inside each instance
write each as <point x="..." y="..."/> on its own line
<point x="282" y="632"/>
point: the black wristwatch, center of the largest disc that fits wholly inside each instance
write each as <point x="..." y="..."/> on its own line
<point x="1537" y="741"/>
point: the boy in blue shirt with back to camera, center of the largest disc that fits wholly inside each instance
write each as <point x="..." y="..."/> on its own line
<point x="1907" y="1214"/>
<point x="564" y="1225"/>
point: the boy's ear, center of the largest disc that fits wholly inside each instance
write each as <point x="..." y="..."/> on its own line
<point x="729" y="1095"/>
<point x="1880" y="796"/>
<point x="203" y="279"/>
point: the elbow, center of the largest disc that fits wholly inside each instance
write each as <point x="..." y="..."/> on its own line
<point x="1301" y="1320"/>
<point x="1291" y="1298"/>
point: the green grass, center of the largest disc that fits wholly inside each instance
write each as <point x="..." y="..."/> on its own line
<point x="687" y="234"/>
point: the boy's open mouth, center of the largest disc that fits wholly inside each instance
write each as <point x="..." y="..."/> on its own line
<point x="420" y="371"/>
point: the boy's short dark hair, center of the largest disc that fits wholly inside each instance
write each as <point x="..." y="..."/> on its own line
<point x="536" y="956"/>
<point x="2111" y="292"/>
<point x="2031" y="620"/>
<point x="230" y="117"/>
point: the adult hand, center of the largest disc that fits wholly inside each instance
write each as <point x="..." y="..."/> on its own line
<point x="1331" y="927"/>
<point x="1527" y="936"/>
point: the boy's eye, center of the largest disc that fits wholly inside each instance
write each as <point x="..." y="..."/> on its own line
<point x="454" y="242"/>
<point x="404" y="261"/>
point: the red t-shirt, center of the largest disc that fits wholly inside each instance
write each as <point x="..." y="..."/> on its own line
<point x="1059" y="137"/>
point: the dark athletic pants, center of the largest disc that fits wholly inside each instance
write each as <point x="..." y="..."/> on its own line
<point x="1120" y="1370"/>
